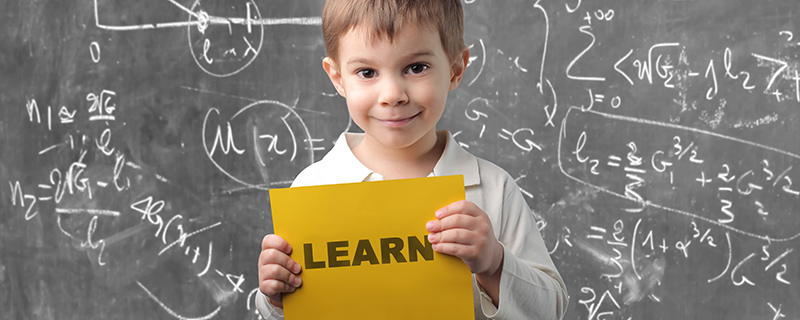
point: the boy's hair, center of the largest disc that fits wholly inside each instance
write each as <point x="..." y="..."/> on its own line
<point x="386" y="17"/>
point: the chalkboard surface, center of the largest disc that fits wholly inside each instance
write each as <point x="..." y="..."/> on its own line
<point x="657" y="141"/>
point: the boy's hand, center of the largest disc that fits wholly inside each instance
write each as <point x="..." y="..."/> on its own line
<point x="277" y="272"/>
<point x="463" y="230"/>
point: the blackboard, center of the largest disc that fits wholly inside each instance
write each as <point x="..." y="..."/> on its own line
<point x="657" y="142"/>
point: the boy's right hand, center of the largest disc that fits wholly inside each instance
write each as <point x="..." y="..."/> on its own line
<point x="277" y="272"/>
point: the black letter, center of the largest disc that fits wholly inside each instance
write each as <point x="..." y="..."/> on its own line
<point x="364" y="251"/>
<point x="333" y="254"/>
<point x="392" y="246"/>
<point x="415" y="246"/>
<point x="310" y="263"/>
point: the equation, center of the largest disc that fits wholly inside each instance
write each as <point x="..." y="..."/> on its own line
<point x="103" y="202"/>
<point x="722" y="185"/>
<point x="732" y="183"/>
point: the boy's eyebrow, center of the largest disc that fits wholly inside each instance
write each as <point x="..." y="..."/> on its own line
<point x="423" y="53"/>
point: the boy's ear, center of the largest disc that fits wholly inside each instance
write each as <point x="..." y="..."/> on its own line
<point x="458" y="68"/>
<point x="334" y="74"/>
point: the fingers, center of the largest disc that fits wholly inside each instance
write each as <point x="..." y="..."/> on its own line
<point x="277" y="280"/>
<point x="276" y="242"/>
<point x="275" y="251"/>
<point x="450" y="217"/>
<point x="479" y="251"/>
<point x="463" y="230"/>
<point x="459" y="207"/>
<point x="455" y="222"/>
<point x="276" y="257"/>
<point x="458" y="236"/>
<point x="463" y="221"/>
<point x="277" y="271"/>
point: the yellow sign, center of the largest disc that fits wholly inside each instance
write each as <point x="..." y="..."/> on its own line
<point x="365" y="252"/>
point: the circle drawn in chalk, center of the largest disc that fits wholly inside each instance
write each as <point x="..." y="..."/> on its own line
<point x="226" y="37"/>
<point x="268" y="135"/>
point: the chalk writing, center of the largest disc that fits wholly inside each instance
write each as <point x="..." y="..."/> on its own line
<point x="655" y="142"/>
<point x="756" y="183"/>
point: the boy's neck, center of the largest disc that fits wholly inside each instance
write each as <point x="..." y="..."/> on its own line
<point x="416" y="161"/>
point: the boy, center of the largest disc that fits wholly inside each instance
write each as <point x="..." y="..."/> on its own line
<point x="395" y="61"/>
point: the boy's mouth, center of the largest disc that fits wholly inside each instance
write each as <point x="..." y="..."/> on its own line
<point x="398" y="122"/>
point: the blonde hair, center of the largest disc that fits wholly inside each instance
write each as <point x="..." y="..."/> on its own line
<point x="386" y="18"/>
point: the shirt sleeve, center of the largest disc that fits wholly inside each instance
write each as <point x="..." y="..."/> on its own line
<point x="266" y="309"/>
<point x="530" y="285"/>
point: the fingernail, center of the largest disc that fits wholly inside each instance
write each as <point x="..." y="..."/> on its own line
<point x="432" y="237"/>
<point x="297" y="282"/>
<point x="430" y="225"/>
<point x="439" y="213"/>
<point x="296" y="268"/>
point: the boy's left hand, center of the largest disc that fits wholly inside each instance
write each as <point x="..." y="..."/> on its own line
<point x="463" y="230"/>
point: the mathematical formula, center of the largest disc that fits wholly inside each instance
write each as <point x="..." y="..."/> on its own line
<point x="651" y="146"/>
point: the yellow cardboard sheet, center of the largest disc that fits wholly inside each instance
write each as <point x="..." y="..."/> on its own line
<point x="358" y="235"/>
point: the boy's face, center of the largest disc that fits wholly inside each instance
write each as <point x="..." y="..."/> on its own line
<point x="396" y="91"/>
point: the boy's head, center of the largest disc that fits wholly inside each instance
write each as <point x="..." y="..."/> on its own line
<point x="395" y="61"/>
<point x="384" y="18"/>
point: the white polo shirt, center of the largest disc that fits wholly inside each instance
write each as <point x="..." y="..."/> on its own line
<point x="530" y="285"/>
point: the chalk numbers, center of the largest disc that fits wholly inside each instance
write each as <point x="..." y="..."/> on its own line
<point x="101" y="106"/>
<point x="94" y="51"/>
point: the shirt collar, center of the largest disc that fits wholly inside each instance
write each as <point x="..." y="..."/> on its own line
<point x="348" y="168"/>
<point x="454" y="161"/>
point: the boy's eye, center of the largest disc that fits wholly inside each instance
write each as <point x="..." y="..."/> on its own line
<point x="366" y="73"/>
<point x="417" y="68"/>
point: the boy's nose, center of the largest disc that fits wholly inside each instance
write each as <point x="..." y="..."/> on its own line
<point x="393" y="92"/>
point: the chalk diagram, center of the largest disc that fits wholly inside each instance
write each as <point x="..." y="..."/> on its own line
<point x="269" y="132"/>
<point x="221" y="46"/>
